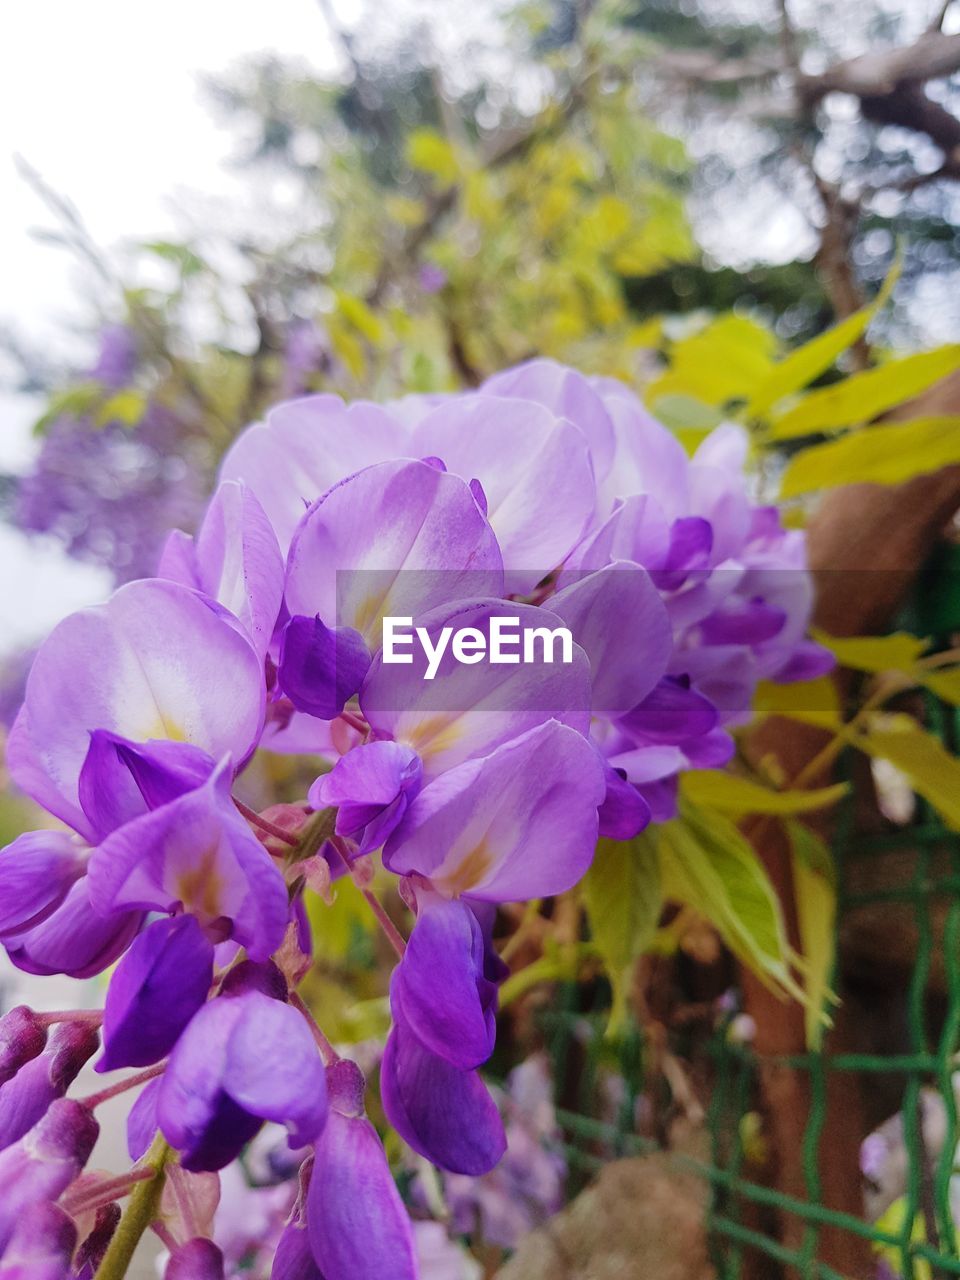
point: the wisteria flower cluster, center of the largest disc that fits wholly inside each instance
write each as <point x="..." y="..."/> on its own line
<point x="544" y="496"/>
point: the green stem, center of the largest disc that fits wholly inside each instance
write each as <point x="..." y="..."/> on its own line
<point x="141" y="1211"/>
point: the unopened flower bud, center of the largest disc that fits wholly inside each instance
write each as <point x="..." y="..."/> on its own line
<point x="97" y="1241"/>
<point x="25" y="1098"/>
<point x="41" y="1245"/>
<point x="45" y="1161"/>
<point x="22" y="1037"/>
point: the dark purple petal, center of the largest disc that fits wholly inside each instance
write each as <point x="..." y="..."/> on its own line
<point x="748" y="622"/>
<point x="439" y="988"/>
<point x="624" y="812"/>
<point x="808" y="661"/>
<point x="691" y="540"/>
<point x="121" y="780"/>
<point x="294" y="1258"/>
<point x="156" y="989"/>
<point x="320" y="670"/>
<point x="445" y="1114"/>
<point x="672" y="713"/>
<point x="36" y="873"/>
<point x="358" y="1227"/>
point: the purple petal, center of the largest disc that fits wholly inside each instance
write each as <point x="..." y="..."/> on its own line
<point x="157" y="661"/>
<point x="24" y="1100"/>
<point x="445" y="1114"/>
<point x="617" y="616"/>
<point x="304" y="448"/>
<point x="672" y="713"/>
<point x="691" y="539"/>
<point x="294" y="1259"/>
<point x="569" y="395"/>
<point x="75" y="939"/>
<point x="469" y="710"/>
<point x="648" y="457"/>
<point x="520" y="823"/>
<point x="624" y="812"/>
<point x="396" y="539"/>
<point x="22" y="1036"/>
<point x="196" y="854"/>
<point x="44" y="1162"/>
<point x="358" y="1227"/>
<point x="157" y="988"/>
<point x="41" y="1247"/>
<point x="636" y="530"/>
<point x="321" y="669"/>
<point x="370" y="787"/>
<point x="142" y="1123"/>
<point x="36" y="874"/>
<point x="535" y="472"/>
<point x="748" y="622"/>
<point x="121" y="780"/>
<point x="808" y="661"/>
<point x="196" y="1260"/>
<point x="439" y="988"/>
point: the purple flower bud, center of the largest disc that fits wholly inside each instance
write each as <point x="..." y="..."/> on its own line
<point x="196" y="1260"/>
<point x="22" y="1037"/>
<point x="44" y="1162"/>
<point x="25" y="1098"/>
<point x="157" y="988"/>
<point x="294" y="1258"/>
<point x="320" y="668"/>
<point x="92" y="1249"/>
<point x="36" y="873"/>
<point x="41" y="1245"/>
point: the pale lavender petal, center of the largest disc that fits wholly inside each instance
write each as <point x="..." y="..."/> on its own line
<point x="469" y="710"/>
<point x="304" y="448"/>
<point x="157" y="661"/>
<point x="142" y="1123"/>
<point x="41" y="1247"/>
<point x="367" y="782"/>
<point x="396" y="539"/>
<point x="617" y="616"/>
<point x="535" y="471"/>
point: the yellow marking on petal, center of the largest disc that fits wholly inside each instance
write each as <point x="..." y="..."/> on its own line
<point x="165" y="730"/>
<point x="199" y="889"/>
<point x="368" y="617"/>
<point x="469" y="871"/>
<point x="434" y="734"/>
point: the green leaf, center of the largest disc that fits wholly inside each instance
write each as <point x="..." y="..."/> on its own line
<point x="933" y="772"/>
<point x="864" y="396"/>
<point x="815" y="895"/>
<point x="809" y="701"/>
<point x="805" y="364"/>
<point x="623" y="900"/>
<point x="730" y="794"/>
<point x="885" y="454"/>
<point x="706" y="863"/>
<point x="431" y="153"/>
<point x="126" y="407"/>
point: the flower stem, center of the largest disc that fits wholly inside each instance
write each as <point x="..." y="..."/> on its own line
<point x="94" y="1017"/>
<point x="269" y="828"/>
<point x="103" y="1192"/>
<point x="392" y="933"/>
<point x="131" y="1082"/>
<point x="327" y="1052"/>
<point x="141" y="1211"/>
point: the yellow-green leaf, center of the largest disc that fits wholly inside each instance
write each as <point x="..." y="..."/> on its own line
<point x="886" y="454"/>
<point x="431" y="153"/>
<point x="864" y="396"/>
<point x="623" y="899"/>
<point x="805" y="364"/>
<point x="706" y="863"/>
<point x="896" y="652"/>
<point x="810" y="701"/>
<point x="730" y="794"/>
<point x="933" y="772"/>
<point x="815" y="894"/>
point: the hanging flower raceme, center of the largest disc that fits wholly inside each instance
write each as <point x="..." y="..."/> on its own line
<point x="507" y="620"/>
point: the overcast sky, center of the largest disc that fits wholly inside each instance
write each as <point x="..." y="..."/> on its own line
<point x="102" y="98"/>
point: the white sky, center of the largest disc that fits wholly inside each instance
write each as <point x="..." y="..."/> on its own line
<point x="102" y="98"/>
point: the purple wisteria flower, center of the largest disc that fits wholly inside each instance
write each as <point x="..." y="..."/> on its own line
<point x="649" y="595"/>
